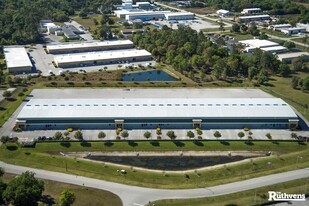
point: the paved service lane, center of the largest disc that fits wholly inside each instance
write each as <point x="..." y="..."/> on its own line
<point x="133" y="195"/>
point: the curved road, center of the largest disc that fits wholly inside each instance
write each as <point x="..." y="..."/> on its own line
<point x="133" y="195"/>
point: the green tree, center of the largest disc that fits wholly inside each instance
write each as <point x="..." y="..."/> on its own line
<point x="66" y="198"/>
<point x="284" y="70"/>
<point x="217" y="134"/>
<point x="4" y="139"/>
<point x="147" y="135"/>
<point x="78" y="135"/>
<point x="171" y="135"/>
<point x="101" y="135"/>
<point x="24" y="190"/>
<point x="125" y="134"/>
<point x="289" y="44"/>
<point x="57" y="135"/>
<point x="190" y="134"/>
<point x="7" y="94"/>
<point x="295" y="82"/>
<point x="305" y="84"/>
<point x="262" y="77"/>
<point x="241" y="134"/>
<point x="235" y="28"/>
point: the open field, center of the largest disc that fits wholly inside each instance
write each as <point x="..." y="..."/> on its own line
<point x="202" y="11"/>
<point x="87" y="22"/>
<point x="250" y="197"/>
<point x="46" y="156"/>
<point x="83" y="195"/>
<point x="281" y="87"/>
<point x="302" y="40"/>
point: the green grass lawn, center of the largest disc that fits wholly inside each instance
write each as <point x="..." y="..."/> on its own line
<point x="83" y="195"/>
<point x="46" y="156"/>
<point x="281" y="87"/>
<point x="301" y="40"/>
<point x="249" y="197"/>
<point x="275" y="33"/>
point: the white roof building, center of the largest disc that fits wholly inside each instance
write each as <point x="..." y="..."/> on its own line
<point x="288" y="57"/>
<point x="258" y="43"/>
<point x="251" y="10"/>
<point x="223" y="12"/>
<point x="17" y="59"/>
<point x="275" y="49"/>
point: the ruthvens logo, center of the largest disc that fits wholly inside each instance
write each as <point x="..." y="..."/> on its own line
<point x="281" y="196"/>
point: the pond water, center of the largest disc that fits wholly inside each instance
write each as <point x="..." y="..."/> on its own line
<point x="168" y="162"/>
<point x="151" y="75"/>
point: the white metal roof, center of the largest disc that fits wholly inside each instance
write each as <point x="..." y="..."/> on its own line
<point x="178" y="14"/>
<point x="16" y="57"/>
<point x="252" y="9"/>
<point x="292" y="55"/>
<point x="55" y="47"/>
<point x="157" y="108"/>
<point x="222" y="11"/>
<point x="254" y="16"/>
<point x="258" y="43"/>
<point x="93" y="56"/>
<point x="274" y="48"/>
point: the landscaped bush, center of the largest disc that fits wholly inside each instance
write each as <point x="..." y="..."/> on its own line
<point x="241" y="134"/>
<point x="159" y="137"/>
<point x="171" y="135"/>
<point x="101" y="135"/>
<point x="200" y="137"/>
<point x="268" y="135"/>
<point x="246" y="129"/>
<point x="147" y="135"/>
<point x="190" y="134"/>
<point x="250" y="133"/>
<point x="217" y="134"/>
<point x="117" y="138"/>
<point x="158" y="131"/>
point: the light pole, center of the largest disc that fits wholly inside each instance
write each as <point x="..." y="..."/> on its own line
<point x="298" y="157"/>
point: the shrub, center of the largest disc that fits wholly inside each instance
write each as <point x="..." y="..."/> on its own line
<point x="268" y="135"/>
<point x="101" y="135"/>
<point x="250" y="133"/>
<point x="171" y="135"/>
<point x="200" y="137"/>
<point x="158" y="131"/>
<point x="250" y="137"/>
<point x="125" y="134"/>
<point x="18" y="129"/>
<point x="246" y="129"/>
<point x="57" y="135"/>
<point x="78" y="135"/>
<point x="25" y="89"/>
<point x="66" y="133"/>
<point x="117" y="137"/>
<point x="70" y="129"/>
<point x="293" y="135"/>
<point x="241" y="134"/>
<point x="217" y="134"/>
<point x="199" y="132"/>
<point x="159" y="137"/>
<point x="21" y="94"/>
<point x="147" y="135"/>
<point x="190" y="134"/>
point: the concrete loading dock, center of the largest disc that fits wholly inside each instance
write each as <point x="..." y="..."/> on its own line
<point x="100" y="58"/>
<point x="89" y="46"/>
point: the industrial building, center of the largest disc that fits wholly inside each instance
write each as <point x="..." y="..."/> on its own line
<point x="179" y="16"/>
<point x="99" y="58"/>
<point x="279" y="27"/>
<point x="151" y="113"/>
<point x="146" y="16"/>
<point x="243" y="19"/>
<point x="293" y="30"/>
<point x="68" y="33"/>
<point x="288" y="57"/>
<point x="88" y="46"/>
<point x="251" y="11"/>
<point x="265" y="45"/>
<point x="17" y="60"/>
<point x="223" y="13"/>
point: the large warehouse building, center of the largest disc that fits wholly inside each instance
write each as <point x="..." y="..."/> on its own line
<point x="151" y="113"/>
<point x="17" y="60"/>
<point x="99" y="58"/>
<point x="264" y="45"/>
<point x="89" y="46"/>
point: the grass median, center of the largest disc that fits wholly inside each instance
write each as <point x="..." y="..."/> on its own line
<point x="46" y="156"/>
<point x="250" y="197"/>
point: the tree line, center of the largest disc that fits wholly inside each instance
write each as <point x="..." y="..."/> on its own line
<point x="193" y="54"/>
<point x="19" y="19"/>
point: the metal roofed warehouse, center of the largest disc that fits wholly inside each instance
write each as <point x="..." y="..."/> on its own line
<point x="97" y="58"/>
<point x="17" y="59"/>
<point x="88" y="46"/>
<point x="150" y="113"/>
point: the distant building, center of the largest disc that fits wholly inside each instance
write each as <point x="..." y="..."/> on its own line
<point x="131" y="31"/>
<point x="99" y="58"/>
<point x="306" y="26"/>
<point x="88" y="46"/>
<point x="143" y="5"/>
<point x="243" y="19"/>
<point x="293" y="30"/>
<point x="264" y="45"/>
<point x="279" y="27"/>
<point x="68" y="33"/>
<point x="288" y="57"/>
<point x="48" y="26"/>
<point x="222" y="12"/>
<point x="251" y="11"/>
<point x="147" y="16"/>
<point x="179" y="16"/>
<point x="17" y="60"/>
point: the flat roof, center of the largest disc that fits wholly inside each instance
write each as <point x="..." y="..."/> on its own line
<point x="254" y="16"/>
<point x="249" y="9"/>
<point x="222" y="11"/>
<point x="258" y="43"/>
<point x="292" y="55"/>
<point x="274" y="48"/>
<point x="295" y="28"/>
<point x="156" y="108"/>
<point x="93" y="56"/>
<point x="16" y="57"/>
<point x="179" y="14"/>
<point x="88" y="45"/>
